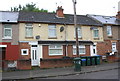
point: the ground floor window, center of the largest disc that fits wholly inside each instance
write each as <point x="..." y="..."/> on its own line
<point x="81" y="49"/>
<point x="55" y="50"/>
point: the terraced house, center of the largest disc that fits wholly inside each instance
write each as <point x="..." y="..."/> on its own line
<point x="111" y="36"/>
<point x="9" y="47"/>
<point x="118" y="21"/>
<point x="46" y="38"/>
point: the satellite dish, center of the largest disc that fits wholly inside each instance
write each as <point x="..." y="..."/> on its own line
<point x="61" y="29"/>
<point x="37" y="37"/>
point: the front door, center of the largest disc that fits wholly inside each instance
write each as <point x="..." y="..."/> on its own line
<point x="93" y="50"/>
<point x="114" y="47"/>
<point x="34" y="57"/>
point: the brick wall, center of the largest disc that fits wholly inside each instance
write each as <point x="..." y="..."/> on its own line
<point x="56" y="63"/>
<point x="24" y="46"/>
<point x="104" y="47"/>
<point x="24" y="64"/>
<point x="24" y="61"/>
<point x="112" y="58"/>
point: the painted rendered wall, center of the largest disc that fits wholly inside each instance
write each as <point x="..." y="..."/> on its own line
<point x="42" y="31"/>
<point x="15" y="34"/>
<point x="87" y="34"/>
<point x="67" y="34"/>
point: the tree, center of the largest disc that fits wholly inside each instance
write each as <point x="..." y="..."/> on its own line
<point x="28" y="7"/>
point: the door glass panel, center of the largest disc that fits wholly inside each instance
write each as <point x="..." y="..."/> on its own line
<point x="33" y="54"/>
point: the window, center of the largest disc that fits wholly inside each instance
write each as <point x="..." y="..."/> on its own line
<point x="52" y="30"/>
<point x="109" y="31"/>
<point x="29" y="30"/>
<point x="96" y="33"/>
<point x="81" y="49"/>
<point x="79" y="32"/>
<point x="55" y="50"/>
<point x="8" y="31"/>
<point x="24" y="51"/>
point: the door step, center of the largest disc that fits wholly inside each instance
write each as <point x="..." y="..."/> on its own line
<point x="35" y="67"/>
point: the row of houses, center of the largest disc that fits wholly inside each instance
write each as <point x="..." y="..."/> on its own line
<point x="45" y="40"/>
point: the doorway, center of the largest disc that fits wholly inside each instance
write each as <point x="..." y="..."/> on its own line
<point x="34" y="55"/>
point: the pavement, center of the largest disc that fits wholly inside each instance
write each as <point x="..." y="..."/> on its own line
<point x="54" y="72"/>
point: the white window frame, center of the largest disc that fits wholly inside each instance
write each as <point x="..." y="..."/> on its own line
<point x="109" y="31"/>
<point x="28" y="25"/>
<point x="80" y="46"/>
<point x="49" y="35"/>
<point x="61" y="48"/>
<point x="22" y="51"/>
<point x="79" y="29"/>
<point x="95" y="29"/>
<point x="9" y="28"/>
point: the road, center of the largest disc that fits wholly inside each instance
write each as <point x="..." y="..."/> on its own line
<point x="109" y="74"/>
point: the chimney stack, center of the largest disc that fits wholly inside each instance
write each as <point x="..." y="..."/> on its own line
<point x="59" y="12"/>
<point x="118" y="14"/>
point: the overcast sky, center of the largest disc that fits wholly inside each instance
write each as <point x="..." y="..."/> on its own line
<point x="97" y="7"/>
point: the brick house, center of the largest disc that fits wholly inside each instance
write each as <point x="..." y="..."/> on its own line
<point x="9" y="48"/>
<point x="110" y="45"/>
<point x="118" y="21"/>
<point x="48" y="39"/>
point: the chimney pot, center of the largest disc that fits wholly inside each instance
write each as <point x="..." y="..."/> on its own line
<point x="59" y="12"/>
<point x="118" y="15"/>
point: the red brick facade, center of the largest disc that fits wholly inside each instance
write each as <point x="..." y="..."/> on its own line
<point x="106" y="47"/>
<point x="24" y="61"/>
<point x="24" y="46"/>
<point x="57" y="60"/>
<point x="69" y="52"/>
<point x="56" y="63"/>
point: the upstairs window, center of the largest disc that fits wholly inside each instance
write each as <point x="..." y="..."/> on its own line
<point x="7" y="31"/>
<point x="109" y="31"/>
<point x="29" y="30"/>
<point x="79" y="32"/>
<point x="96" y="33"/>
<point x="52" y="31"/>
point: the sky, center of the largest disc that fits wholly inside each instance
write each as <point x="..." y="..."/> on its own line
<point x="83" y="7"/>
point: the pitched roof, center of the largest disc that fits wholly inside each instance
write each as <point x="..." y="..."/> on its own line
<point x="43" y="17"/>
<point x="7" y="16"/>
<point x="104" y="19"/>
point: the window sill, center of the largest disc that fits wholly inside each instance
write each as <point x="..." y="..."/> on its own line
<point x="52" y="37"/>
<point x="97" y="38"/>
<point x="78" y="37"/>
<point x="110" y="36"/>
<point x="29" y="37"/>
<point x="55" y="54"/>
<point x="7" y="38"/>
<point x="80" y="54"/>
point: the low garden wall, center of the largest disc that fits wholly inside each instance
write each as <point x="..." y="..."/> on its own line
<point x="54" y="63"/>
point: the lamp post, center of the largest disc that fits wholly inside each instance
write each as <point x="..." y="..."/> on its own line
<point x="76" y="28"/>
